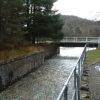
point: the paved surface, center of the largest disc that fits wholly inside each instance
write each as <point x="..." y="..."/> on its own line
<point x="94" y="81"/>
<point x="90" y="85"/>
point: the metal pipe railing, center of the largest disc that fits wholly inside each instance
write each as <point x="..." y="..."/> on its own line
<point x="76" y="73"/>
<point x="81" y="39"/>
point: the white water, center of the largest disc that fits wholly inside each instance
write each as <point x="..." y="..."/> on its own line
<point x="71" y="52"/>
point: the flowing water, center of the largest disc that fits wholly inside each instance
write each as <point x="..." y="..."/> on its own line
<point x="46" y="82"/>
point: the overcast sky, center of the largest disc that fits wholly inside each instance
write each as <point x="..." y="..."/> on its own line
<point x="89" y="9"/>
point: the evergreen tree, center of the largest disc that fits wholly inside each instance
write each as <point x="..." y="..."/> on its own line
<point x="37" y="15"/>
<point x="56" y="26"/>
<point x="11" y="19"/>
<point x="42" y="21"/>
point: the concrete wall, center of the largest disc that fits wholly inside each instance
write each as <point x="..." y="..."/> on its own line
<point x="13" y="70"/>
<point x="50" y="51"/>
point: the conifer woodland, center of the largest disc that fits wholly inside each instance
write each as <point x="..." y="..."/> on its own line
<point x="28" y="20"/>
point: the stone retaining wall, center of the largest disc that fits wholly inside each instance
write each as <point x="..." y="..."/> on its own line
<point x="13" y="70"/>
<point x="50" y="51"/>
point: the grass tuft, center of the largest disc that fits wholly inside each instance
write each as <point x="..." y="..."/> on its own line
<point x="7" y="55"/>
<point x="93" y="56"/>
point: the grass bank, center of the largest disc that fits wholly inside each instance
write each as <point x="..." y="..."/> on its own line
<point x="6" y="55"/>
<point x="93" y="56"/>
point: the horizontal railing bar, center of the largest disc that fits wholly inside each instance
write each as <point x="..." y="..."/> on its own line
<point x="66" y="83"/>
<point x="74" y="68"/>
<point x="81" y="37"/>
<point x="85" y="38"/>
<point x="92" y="40"/>
<point x="60" y="95"/>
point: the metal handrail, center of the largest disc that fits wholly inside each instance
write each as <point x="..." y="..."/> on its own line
<point x="77" y="71"/>
<point x="81" y="39"/>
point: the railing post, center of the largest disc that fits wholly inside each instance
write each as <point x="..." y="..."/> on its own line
<point x="83" y="59"/>
<point x="82" y="63"/>
<point x="74" y="39"/>
<point x="78" y="79"/>
<point x="98" y="42"/>
<point x="86" y="39"/>
<point x="78" y="87"/>
<point x="66" y="93"/>
<point x="79" y="68"/>
<point x="75" y="77"/>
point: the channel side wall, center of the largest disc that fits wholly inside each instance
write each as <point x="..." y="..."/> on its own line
<point x="12" y="71"/>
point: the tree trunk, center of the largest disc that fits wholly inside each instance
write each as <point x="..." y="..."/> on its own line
<point x="33" y="38"/>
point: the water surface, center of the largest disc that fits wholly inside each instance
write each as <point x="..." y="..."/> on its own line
<point x="47" y="82"/>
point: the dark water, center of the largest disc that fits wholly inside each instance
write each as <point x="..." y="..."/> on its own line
<point x="47" y="82"/>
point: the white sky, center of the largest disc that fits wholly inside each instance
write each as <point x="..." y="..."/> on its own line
<point x="89" y="9"/>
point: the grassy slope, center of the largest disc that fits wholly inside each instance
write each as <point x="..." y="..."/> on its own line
<point x="93" y="56"/>
<point x="7" y="55"/>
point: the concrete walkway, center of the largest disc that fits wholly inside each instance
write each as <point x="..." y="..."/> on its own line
<point x="94" y="82"/>
<point x="90" y="85"/>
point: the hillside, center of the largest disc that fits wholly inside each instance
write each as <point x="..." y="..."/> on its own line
<point x="75" y="26"/>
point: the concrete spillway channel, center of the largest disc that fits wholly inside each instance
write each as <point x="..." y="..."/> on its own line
<point x="43" y="84"/>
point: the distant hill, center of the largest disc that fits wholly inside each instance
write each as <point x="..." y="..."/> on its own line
<point x="76" y="26"/>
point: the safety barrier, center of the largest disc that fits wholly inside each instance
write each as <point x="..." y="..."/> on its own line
<point x="75" y="79"/>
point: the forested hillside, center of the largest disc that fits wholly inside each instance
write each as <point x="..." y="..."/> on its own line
<point x="75" y="26"/>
